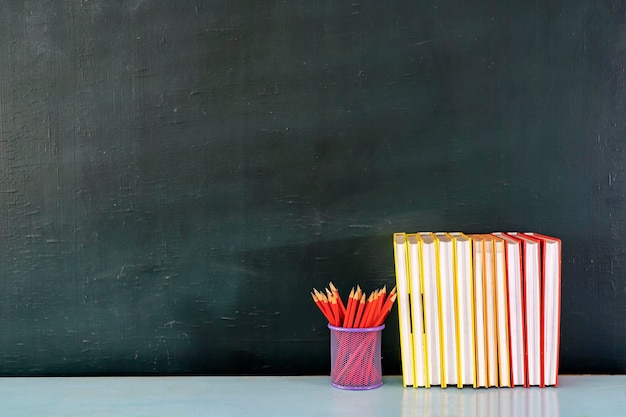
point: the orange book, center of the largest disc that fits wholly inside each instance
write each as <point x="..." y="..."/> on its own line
<point x="502" y="312"/>
<point x="514" y="280"/>
<point x="480" y="326"/>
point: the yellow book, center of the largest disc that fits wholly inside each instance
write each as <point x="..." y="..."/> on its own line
<point x="447" y="311"/>
<point x="404" y="313"/>
<point x="417" y="313"/>
<point x="430" y="305"/>
<point x="464" y="300"/>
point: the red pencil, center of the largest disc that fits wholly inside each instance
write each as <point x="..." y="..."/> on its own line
<point x="360" y="310"/>
<point x="319" y="305"/>
<point x="335" y="291"/>
<point x="327" y="306"/>
<point x="386" y="308"/>
<point x="368" y="310"/>
<point x="383" y="304"/>
<point x="378" y="304"/>
<point x="359" y="313"/>
<point x="355" y="304"/>
<point x="332" y="299"/>
<point x="380" y="296"/>
<point x="346" y="318"/>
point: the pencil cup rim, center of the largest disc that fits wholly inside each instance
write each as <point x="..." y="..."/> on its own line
<point x="357" y="329"/>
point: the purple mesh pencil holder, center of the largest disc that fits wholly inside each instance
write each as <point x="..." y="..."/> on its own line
<point x="355" y="358"/>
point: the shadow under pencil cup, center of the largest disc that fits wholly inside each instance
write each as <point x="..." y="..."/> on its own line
<point x="355" y="357"/>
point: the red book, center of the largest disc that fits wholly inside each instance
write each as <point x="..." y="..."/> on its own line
<point x="550" y="307"/>
<point x="531" y="255"/>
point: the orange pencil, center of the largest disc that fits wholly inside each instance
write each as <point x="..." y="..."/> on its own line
<point x="349" y="307"/>
<point x="359" y="313"/>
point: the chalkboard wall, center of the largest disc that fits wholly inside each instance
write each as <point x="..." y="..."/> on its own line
<point x="175" y="176"/>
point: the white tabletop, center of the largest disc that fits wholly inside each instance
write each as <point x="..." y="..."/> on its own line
<point x="602" y="396"/>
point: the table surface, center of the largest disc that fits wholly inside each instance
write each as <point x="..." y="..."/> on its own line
<point x="584" y="396"/>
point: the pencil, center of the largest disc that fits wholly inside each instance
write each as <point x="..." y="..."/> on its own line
<point x="386" y="309"/>
<point x="328" y="307"/>
<point x="332" y="299"/>
<point x="349" y="308"/>
<point x="378" y="301"/>
<point x="359" y="312"/>
<point x="355" y="303"/>
<point x="368" y="310"/>
<point x="322" y="309"/>
<point x="335" y="291"/>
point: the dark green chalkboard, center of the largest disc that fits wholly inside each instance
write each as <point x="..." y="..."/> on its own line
<point x="175" y="177"/>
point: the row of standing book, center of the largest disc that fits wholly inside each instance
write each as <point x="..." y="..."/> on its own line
<point x="479" y="310"/>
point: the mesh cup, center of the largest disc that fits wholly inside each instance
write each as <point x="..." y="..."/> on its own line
<point x="355" y="358"/>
